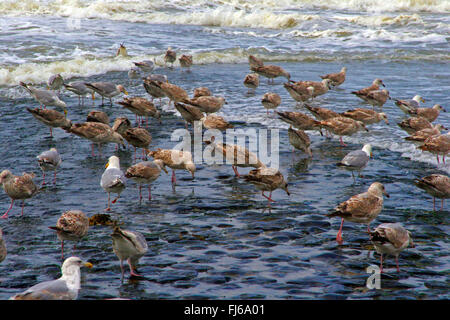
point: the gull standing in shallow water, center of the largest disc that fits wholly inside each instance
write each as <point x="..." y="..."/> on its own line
<point x="113" y="180"/>
<point x="141" y="107"/>
<point x="45" y="97"/>
<point x="64" y="288"/>
<point x="430" y="114"/>
<point x="367" y="116"/>
<point x="410" y="105"/>
<point x="299" y="140"/>
<point x="267" y="179"/>
<point x="51" y="118"/>
<point x="17" y="188"/>
<point x="170" y="57"/>
<point x="49" y="160"/>
<point x="128" y="245"/>
<point x="270" y="100"/>
<point x="271" y="72"/>
<point x="391" y="239"/>
<point x="145" y="173"/>
<point x="80" y="89"/>
<point x="437" y="144"/>
<point x="72" y="225"/>
<point x="437" y="185"/>
<point x="356" y="160"/>
<point x="251" y="81"/>
<point x="175" y="160"/>
<point x="342" y="126"/>
<point x="337" y="78"/>
<point x="185" y="62"/>
<point x="106" y="89"/>
<point x="362" y="93"/>
<point x="361" y="208"/>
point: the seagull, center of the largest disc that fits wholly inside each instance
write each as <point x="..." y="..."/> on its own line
<point x="170" y="57"/>
<point x="128" y="245"/>
<point x="80" y="89"/>
<point x="49" y="160"/>
<point x="145" y="66"/>
<point x="361" y="208"/>
<point x="64" y="288"/>
<point x="367" y="116"/>
<point x="437" y="144"/>
<point x="97" y="116"/>
<point x="356" y="160"/>
<point x="437" y="185"/>
<point x="113" y="180"/>
<point x="267" y="179"/>
<point x="320" y="87"/>
<point x="17" y="188"/>
<point x="145" y="173"/>
<point x="106" y="89"/>
<point x="414" y="124"/>
<point x="55" y="82"/>
<point x="362" y="93"/>
<point x="430" y="114"/>
<point x="391" y="239"/>
<point x="336" y="78"/>
<point x="72" y="225"/>
<point x="271" y="72"/>
<point x="270" y="100"/>
<point x="251" y="81"/>
<point x="175" y="159"/>
<point x="214" y="121"/>
<point x="45" y="97"/>
<point x="207" y="104"/>
<point x="342" y="126"/>
<point x="189" y="113"/>
<point x="410" y="105"/>
<point x="299" y="140"/>
<point x="185" y="61"/>
<point x="141" y="107"/>
<point x="201" y="91"/>
<point x="299" y="93"/>
<point x="51" y="118"/>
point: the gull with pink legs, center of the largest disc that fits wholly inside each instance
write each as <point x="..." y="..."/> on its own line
<point x="17" y="188"/>
<point x="49" y="161"/>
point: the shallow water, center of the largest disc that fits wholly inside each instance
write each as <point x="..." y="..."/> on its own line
<point x="214" y="237"/>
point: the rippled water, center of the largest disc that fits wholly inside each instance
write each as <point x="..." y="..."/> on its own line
<point x="213" y="237"/>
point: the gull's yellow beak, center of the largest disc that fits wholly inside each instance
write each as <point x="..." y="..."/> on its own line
<point x="422" y="99"/>
<point x="93" y="96"/>
<point x="125" y="91"/>
<point x="106" y="165"/>
<point x="88" y="264"/>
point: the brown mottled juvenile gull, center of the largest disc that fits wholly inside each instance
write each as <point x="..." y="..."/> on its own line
<point x="189" y="113"/>
<point x="255" y="62"/>
<point x="377" y="97"/>
<point x="430" y="114"/>
<point x="214" y="121"/>
<point x="185" y="61"/>
<point x="356" y="160"/>
<point x="66" y="287"/>
<point x="409" y="105"/>
<point x="106" y="89"/>
<point x="343" y="126"/>
<point x="299" y="93"/>
<point x="271" y="100"/>
<point x="51" y="118"/>
<point x="49" y="161"/>
<point x="321" y="113"/>
<point x="299" y="120"/>
<point x="236" y="155"/>
<point x="414" y="124"/>
<point x="172" y="91"/>
<point x="320" y="87"/>
<point x="55" y="82"/>
<point x="138" y="138"/>
<point x="145" y="172"/>
<point x="267" y="179"/>
<point x="45" y="97"/>
<point x="251" y="81"/>
<point x="3" y="250"/>
<point x="96" y="132"/>
<point x="207" y="104"/>
<point x="72" y="225"/>
<point x="420" y="136"/>
<point x="361" y="208"/>
<point x="175" y="160"/>
<point x="367" y="116"/>
<point x="170" y="57"/>
<point x="133" y="73"/>
<point x="113" y="180"/>
<point x="362" y="93"/>
<point x="299" y="140"/>
<point x="337" y="78"/>
<point x="141" y="107"/>
<point x="17" y="188"/>
<point x="437" y="185"/>
<point x="80" y="89"/>
<point x="153" y="88"/>
<point x="201" y="91"/>
<point x="437" y="144"/>
<point x="128" y="245"/>
<point x="391" y="239"/>
<point x="271" y="72"/>
<point x="97" y="116"/>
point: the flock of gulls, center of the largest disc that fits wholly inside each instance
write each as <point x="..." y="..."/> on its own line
<point x="130" y="246"/>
